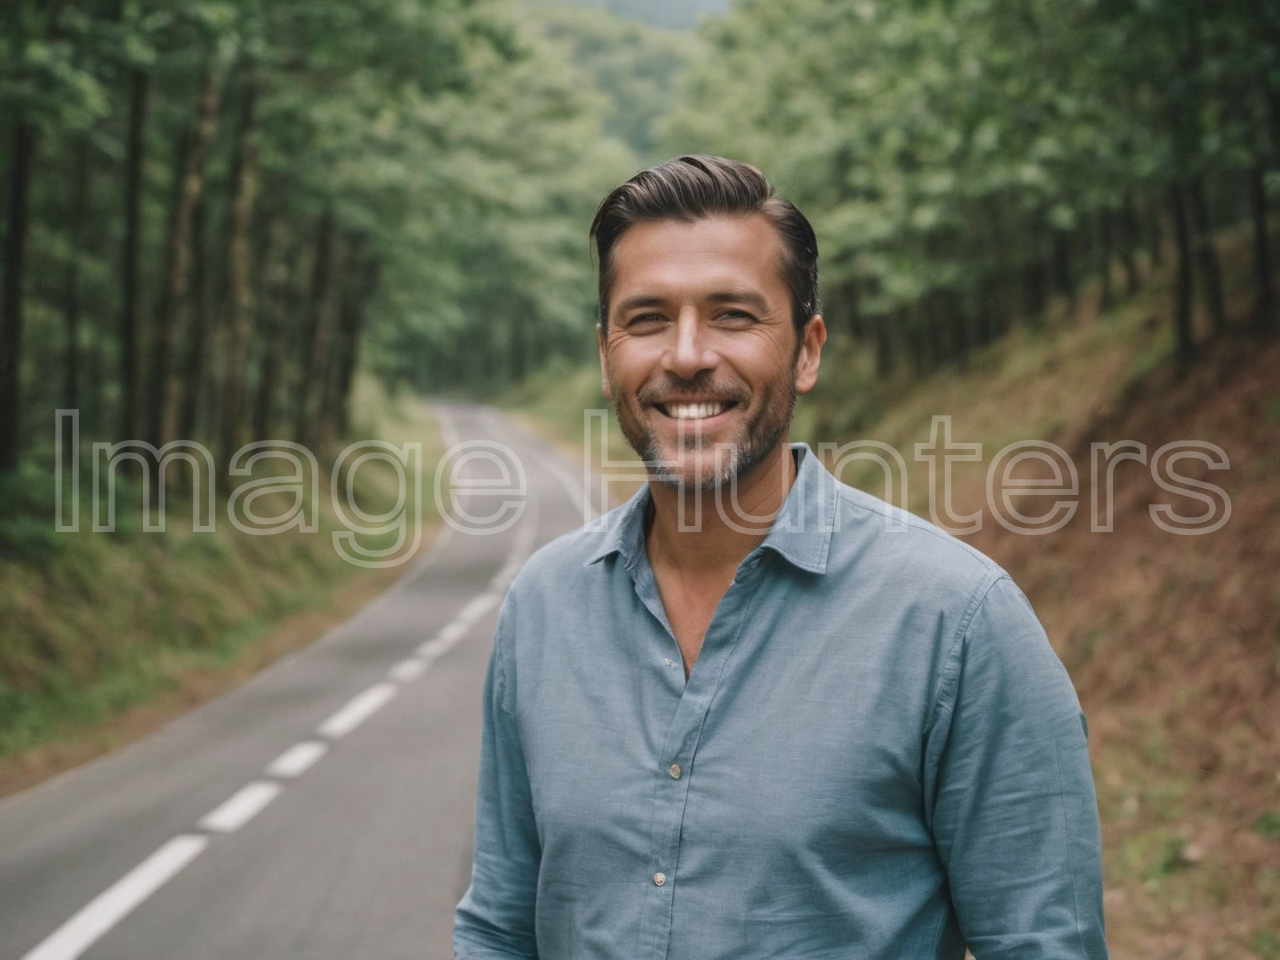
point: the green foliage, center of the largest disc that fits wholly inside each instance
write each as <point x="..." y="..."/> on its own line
<point x="1266" y="944"/>
<point x="659" y="13"/>
<point x="1268" y="825"/>
<point x="637" y="67"/>
<point x="27" y="500"/>
<point x="488" y="276"/>
<point x="963" y="159"/>
<point x="415" y="176"/>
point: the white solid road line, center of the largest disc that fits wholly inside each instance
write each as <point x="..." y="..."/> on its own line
<point x="358" y="709"/>
<point x="297" y="760"/>
<point x="83" y="930"/>
<point x="245" y="804"/>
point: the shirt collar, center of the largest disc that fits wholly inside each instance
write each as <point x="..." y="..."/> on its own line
<point x="801" y="534"/>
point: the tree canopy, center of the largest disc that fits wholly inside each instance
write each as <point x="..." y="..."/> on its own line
<point x="217" y="210"/>
<point x="965" y="159"/>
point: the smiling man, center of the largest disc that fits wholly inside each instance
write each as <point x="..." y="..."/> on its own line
<point x="761" y="715"/>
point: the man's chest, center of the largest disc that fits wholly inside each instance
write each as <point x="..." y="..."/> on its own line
<point x="800" y="728"/>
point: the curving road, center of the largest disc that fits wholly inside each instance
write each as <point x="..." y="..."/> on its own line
<point x="321" y="812"/>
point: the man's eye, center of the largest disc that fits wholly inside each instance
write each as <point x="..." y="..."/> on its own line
<point x="736" y="316"/>
<point x="645" y="319"/>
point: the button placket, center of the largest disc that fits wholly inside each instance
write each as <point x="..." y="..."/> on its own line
<point x="671" y="798"/>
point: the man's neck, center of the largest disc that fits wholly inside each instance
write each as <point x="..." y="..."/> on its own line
<point x="730" y="523"/>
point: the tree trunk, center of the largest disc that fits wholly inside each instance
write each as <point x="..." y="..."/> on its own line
<point x="348" y="299"/>
<point x="173" y="295"/>
<point x="1106" y="238"/>
<point x="275" y="289"/>
<point x="1268" y="24"/>
<point x="130" y="274"/>
<point x="352" y="321"/>
<point x="956" y="317"/>
<point x="1207" y="255"/>
<point x="1185" y="349"/>
<point x="1036" y="293"/>
<point x="24" y="144"/>
<point x="884" y="346"/>
<point x="1264" y="310"/>
<point x="1063" y="274"/>
<point x="71" y="281"/>
<point x="264" y="403"/>
<point x="239" y="296"/>
<point x="314" y="331"/>
<point x="519" y="344"/>
<point x="202" y="325"/>
<point x="1155" y="235"/>
<point x="1128" y="245"/>
<point x="328" y="342"/>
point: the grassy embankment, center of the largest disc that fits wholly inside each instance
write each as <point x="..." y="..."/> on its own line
<point x="1173" y="641"/>
<point x="104" y="636"/>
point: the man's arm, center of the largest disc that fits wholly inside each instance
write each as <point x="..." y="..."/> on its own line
<point x="495" y="920"/>
<point x="1014" y="814"/>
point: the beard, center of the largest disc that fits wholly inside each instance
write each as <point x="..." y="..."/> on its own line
<point x="685" y="467"/>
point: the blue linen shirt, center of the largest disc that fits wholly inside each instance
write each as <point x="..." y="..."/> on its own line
<point x="876" y="755"/>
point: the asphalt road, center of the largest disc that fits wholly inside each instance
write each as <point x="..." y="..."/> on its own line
<point x="323" y="811"/>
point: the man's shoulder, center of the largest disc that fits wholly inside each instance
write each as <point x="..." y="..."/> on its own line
<point x="869" y="530"/>
<point x="568" y="557"/>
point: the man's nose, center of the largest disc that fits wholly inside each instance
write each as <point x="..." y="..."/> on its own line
<point x="690" y="352"/>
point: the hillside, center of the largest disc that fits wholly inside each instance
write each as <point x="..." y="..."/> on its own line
<point x="1174" y="646"/>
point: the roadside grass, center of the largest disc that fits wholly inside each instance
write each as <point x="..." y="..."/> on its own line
<point x="105" y="635"/>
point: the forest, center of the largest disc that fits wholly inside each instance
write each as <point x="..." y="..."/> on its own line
<point x="216" y="212"/>
<point x="229" y="221"/>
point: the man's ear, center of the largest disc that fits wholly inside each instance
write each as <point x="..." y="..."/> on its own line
<point x="809" y="356"/>
<point x="604" y="364"/>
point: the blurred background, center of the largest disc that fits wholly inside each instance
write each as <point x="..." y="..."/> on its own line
<point x="299" y="219"/>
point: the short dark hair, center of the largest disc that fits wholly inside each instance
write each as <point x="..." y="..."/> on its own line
<point x="693" y="188"/>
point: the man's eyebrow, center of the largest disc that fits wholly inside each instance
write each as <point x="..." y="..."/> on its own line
<point x="748" y="297"/>
<point x="643" y="300"/>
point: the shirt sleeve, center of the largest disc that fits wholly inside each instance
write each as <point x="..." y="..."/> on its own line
<point x="495" y="920"/>
<point x="1013" y="809"/>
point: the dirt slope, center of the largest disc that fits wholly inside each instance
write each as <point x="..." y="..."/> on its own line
<point x="1174" y="645"/>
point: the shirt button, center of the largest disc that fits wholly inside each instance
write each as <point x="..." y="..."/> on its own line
<point x="659" y="879"/>
<point x="674" y="771"/>
<point x="669" y="662"/>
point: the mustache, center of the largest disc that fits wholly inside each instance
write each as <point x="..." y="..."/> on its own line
<point x="674" y="389"/>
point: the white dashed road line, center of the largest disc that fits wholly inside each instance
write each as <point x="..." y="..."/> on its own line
<point x="297" y="760"/>
<point x="83" y="930"/>
<point x="407" y="671"/>
<point x="119" y="900"/>
<point x="358" y="709"/>
<point x="245" y="804"/>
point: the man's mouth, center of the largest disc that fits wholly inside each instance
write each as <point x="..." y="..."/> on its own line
<point x="703" y="410"/>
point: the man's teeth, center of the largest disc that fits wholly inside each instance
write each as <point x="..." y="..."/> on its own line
<point x="695" y="411"/>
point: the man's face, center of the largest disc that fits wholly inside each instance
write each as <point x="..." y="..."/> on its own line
<point x="700" y="348"/>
